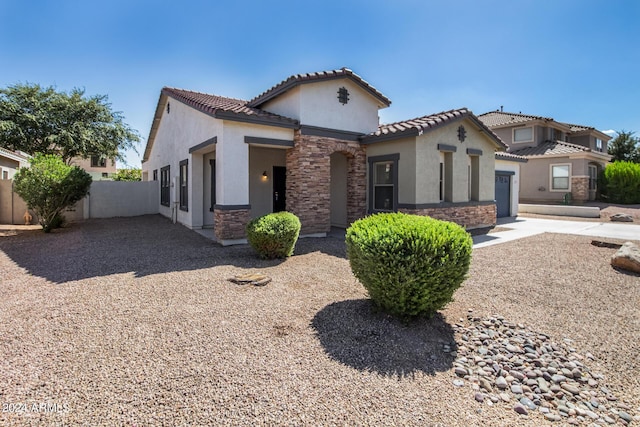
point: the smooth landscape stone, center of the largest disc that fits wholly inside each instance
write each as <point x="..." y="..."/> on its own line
<point x="570" y="388"/>
<point x="528" y="403"/>
<point x="479" y="397"/>
<point x="458" y="383"/>
<point x="625" y="416"/>
<point x="461" y="371"/>
<point x="520" y="409"/>
<point x="552" y="417"/>
<point x="501" y="383"/>
<point x="516" y="389"/>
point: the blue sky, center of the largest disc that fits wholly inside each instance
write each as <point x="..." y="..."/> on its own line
<point x="577" y="61"/>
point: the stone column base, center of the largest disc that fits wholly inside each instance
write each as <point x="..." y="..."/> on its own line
<point x="468" y="215"/>
<point x="230" y="223"/>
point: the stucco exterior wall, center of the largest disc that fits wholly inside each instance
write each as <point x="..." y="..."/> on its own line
<point x="406" y="148"/>
<point x="181" y="128"/>
<point x="316" y="104"/>
<point x="535" y="181"/>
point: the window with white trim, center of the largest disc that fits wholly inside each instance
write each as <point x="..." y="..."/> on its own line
<point x="383" y="183"/>
<point x="560" y="177"/>
<point x="383" y="186"/>
<point x="599" y="145"/>
<point x="523" y="134"/>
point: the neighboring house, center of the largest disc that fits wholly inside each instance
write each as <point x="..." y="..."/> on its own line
<point x="10" y="161"/>
<point x="312" y="145"/>
<point x="100" y="168"/>
<point x="564" y="160"/>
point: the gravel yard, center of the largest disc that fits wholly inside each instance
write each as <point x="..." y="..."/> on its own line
<point x="133" y="322"/>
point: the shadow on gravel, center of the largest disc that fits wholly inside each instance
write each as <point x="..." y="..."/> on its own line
<point x="355" y="334"/>
<point x="143" y="245"/>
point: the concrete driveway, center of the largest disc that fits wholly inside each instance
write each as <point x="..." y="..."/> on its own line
<point x="524" y="227"/>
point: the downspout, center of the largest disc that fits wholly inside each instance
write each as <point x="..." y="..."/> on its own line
<point x="12" y="197"/>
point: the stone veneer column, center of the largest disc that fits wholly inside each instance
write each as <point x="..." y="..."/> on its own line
<point x="229" y="224"/>
<point x="309" y="176"/>
<point x="580" y="188"/>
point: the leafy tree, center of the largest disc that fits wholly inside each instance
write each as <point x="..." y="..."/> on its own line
<point x="38" y="119"/>
<point x="128" y="175"/>
<point x="625" y="147"/>
<point x="49" y="186"/>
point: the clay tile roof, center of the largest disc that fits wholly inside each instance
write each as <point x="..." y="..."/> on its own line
<point x="419" y="125"/>
<point x="499" y="118"/>
<point x="16" y="155"/>
<point x="503" y="155"/>
<point x="224" y="107"/>
<point x="578" y="128"/>
<point x="551" y="147"/>
<point x="299" y="79"/>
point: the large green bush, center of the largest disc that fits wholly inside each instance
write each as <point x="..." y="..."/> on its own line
<point x="274" y="235"/>
<point x="49" y="186"/>
<point x="410" y="265"/>
<point x="620" y="183"/>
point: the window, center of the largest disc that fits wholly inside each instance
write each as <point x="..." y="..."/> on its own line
<point x="441" y="177"/>
<point x="5" y="174"/>
<point x="593" y="177"/>
<point x="383" y="182"/>
<point x="184" y="188"/>
<point x="164" y="185"/>
<point x="105" y="174"/>
<point x="523" y="134"/>
<point x="598" y="144"/>
<point x="446" y="178"/>
<point x="560" y="177"/>
<point x="474" y="178"/>
<point x="98" y="162"/>
<point x="155" y="174"/>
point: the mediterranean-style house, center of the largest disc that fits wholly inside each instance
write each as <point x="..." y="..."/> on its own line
<point x="99" y="167"/>
<point x="11" y="161"/>
<point x="564" y="160"/>
<point x="313" y="145"/>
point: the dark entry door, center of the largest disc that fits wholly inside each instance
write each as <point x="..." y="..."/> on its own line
<point x="503" y="194"/>
<point x="279" y="188"/>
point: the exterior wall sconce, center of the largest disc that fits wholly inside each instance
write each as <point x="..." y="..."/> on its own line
<point x="265" y="176"/>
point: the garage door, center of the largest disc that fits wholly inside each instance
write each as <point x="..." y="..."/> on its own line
<point x="503" y="193"/>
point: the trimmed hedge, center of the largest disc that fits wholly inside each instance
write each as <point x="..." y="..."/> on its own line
<point x="410" y="265"/>
<point x="274" y="235"/>
<point x="620" y="183"/>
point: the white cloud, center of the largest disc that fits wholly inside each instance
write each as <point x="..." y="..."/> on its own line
<point x="610" y="132"/>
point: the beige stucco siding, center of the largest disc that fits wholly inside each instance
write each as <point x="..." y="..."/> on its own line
<point x="406" y="148"/>
<point x="316" y="104"/>
<point x="428" y="159"/>
<point x="535" y="178"/>
<point x="182" y="128"/>
<point x="96" y="172"/>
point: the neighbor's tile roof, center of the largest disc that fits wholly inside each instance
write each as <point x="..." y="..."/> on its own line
<point x="578" y="128"/>
<point x="298" y="79"/>
<point x="223" y="106"/>
<point x="16" y="155"/>
<point x="551" y="147"/>
<point x="419" y="125"/>
<point x="499" y="118"/>
<point x="503" y="155"/>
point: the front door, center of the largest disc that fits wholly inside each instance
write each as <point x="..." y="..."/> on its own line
<point x="279" y="188"/>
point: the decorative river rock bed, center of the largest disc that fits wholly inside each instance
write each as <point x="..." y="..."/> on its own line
<point x="508" y="363"/>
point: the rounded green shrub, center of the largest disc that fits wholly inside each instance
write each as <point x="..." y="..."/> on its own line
<point x="410" y="265"/>
<point x="274" y="235"/>
<point x="620" y="183"/>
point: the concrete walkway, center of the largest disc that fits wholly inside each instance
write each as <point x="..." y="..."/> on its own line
<point x="525" y="227"/>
